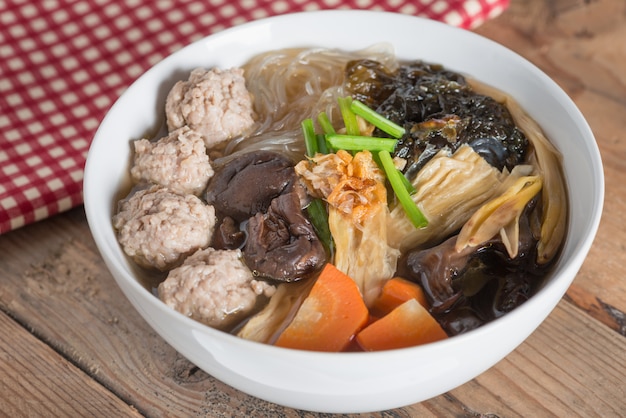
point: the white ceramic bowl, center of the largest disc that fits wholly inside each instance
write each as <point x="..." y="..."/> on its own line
<point x="348" y="382"/>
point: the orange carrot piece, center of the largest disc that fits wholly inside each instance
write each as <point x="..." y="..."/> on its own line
<point x="394" y="293"/>
<point x="329" y="317"/>
<point x="407" y="325"/>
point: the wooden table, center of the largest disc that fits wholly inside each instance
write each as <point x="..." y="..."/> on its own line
<point x="72" y="345"/>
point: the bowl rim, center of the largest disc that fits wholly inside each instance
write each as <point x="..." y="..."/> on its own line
<point x="536" y="302"/>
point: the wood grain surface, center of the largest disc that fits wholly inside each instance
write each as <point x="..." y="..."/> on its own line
<point x="72" y="345"/>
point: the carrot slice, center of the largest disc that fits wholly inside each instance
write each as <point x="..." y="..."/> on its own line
<point x="329" y="317"/>
<point x="407" y="325"/>
<point x="394" y="293"/>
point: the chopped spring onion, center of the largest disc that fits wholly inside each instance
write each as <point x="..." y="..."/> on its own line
<point x="319" y="218"/>
<point x="359" y="143"/>
<point x="377" y="119"/>
<point x="414" y="214"/>
<point x="407" y="185"/>
<point x="349" y="118"/>
<point x="324" y="122"/>
<point x="322" y="148"/>
<point x="310" y="139"/>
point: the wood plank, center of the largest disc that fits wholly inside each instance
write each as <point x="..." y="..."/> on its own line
<point x="36" y="381"/>
<point x="546" y="375"/>
<point x="101" y="343"/>
<point x="101" y="332"/>
<point x="596" y="308"/>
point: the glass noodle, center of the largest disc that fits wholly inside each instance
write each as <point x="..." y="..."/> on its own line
<point x="291" y="85"/>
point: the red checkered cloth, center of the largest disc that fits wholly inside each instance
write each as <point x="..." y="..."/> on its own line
<point x="64" y="62"/>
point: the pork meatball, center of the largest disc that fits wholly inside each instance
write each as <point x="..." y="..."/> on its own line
<point x="158" y="227"/>
<point x="178" y="161"/>
<point x="215" y="103"/>
<point x="214" y="287"/>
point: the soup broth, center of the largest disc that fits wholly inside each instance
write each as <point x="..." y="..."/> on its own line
<point x="463" y="200"/>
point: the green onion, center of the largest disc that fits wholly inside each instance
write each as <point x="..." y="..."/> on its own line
<point x="359" y="143"/>
<point x="322" y="148"/>
<point x="377" y="119"/>
<point x="407" y="185"/>
<point x="349" y="118"/>
<point x="310" y="139"/>
<point x="319" y="218"/>
<point x="414" y="214"/>
<point x="324" y="122"/>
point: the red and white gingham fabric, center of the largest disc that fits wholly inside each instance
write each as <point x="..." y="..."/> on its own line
<point x="64" y="62"/>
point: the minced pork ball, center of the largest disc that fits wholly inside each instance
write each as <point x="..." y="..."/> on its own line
<point x="158" y="227"/>
<point x="178" y="161"/>
<point x="213" y="287"/>
<point x="215" y="103"/>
